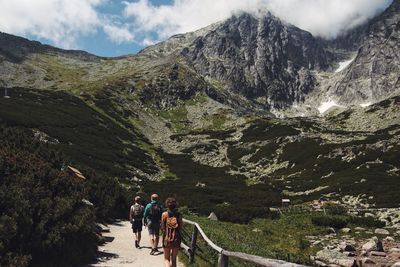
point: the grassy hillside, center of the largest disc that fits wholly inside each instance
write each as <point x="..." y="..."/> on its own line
<point x="86" y="134"/>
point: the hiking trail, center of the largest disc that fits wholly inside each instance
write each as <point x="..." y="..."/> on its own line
<point x="119" y="250"/>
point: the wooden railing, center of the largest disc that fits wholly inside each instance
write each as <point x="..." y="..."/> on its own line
<point x="223" y="255"/>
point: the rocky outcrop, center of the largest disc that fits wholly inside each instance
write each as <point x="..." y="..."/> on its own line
<point x="261" y="58"/>
<point x="374" y="73"/>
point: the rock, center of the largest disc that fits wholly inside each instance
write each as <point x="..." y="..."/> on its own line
<point x="380" y="231"/>
<point x="345" y="230"/>
<point x="334" y="257"/>
<point x="349" y="254"/>
<point x="359" y="229"/>
<point x="371" y="244"/>
<point x="397" y="264"/>
<point x="345" y="262"/>
<point x="257" y="230"/>
<point x="347" y="247"/>
<point x="389" y="239"/>
<point x="212" y="217"/>
<point x="102" y="228"/>
<point x="369" y="215"/>
<point x="366" y="262"/>
<point x="394" y="250"/>
<point x="378" y="253"/>
<point x="331" y="230"/>
<point x="320" y="263"/>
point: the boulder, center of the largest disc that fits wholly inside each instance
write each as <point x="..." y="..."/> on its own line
<point x="345" y="230"/>
<point x="366" y="262"/>
<point x="369" y="215"/>
<point x="102" y="228"/>
<point x="389" y="239"/>
<point x="378" y="254"/>
<point x="370" y="245"/>
<point x="381" y="231"/>
<point x="347" y="247"/>
<point x="359" y="229"/>
<point x="397" y="264"/>
<point x="394" y="250"/>
<point x="212" y="217"/>
<point x="334" y="257"/>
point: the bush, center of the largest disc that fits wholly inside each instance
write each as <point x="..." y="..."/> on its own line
<point x="243" y="215"/>
<point x="43" y="220"/>
<point x="334" y="221"/>
<point x="366" y="221"/>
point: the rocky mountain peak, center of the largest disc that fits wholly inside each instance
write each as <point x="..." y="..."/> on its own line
<point x="261" y="58"/>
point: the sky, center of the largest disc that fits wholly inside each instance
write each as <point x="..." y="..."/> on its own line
<point x="120" y="27"/>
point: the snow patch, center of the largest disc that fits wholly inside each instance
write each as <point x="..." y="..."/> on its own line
<point x="366" y="105"/>
<point x="325" y="106"/>
<point x="343" y="65"/>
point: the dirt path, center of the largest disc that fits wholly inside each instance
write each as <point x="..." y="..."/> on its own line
<point x="121" y="251"/>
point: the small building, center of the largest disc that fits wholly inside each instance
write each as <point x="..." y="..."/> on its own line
<point x="75" y="172"/>
<point x="285" y="203"/>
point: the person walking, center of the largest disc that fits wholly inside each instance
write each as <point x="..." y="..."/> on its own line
<point x="152" y="219"/>
<point x="171" y="226"/>
<point x="136" y="218"/>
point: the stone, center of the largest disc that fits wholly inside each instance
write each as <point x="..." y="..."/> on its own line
<point x="381" y="231"/>
<point x="366" y="262"/>
<point x="257" y="230"/>
<point x="359" y="229"/>
<point x="345" y="230"/>
<point x="369" y="246"/>
<point x="369" y="215"/>
<point x="334" y="257"/>
<point x="347" y="247"/>
<point x="320" y="263"/>
<point x="397" y="264"/>
<point x="378" y="253"/>
<point x="331" y="230"/>
<point x="394" y="250"/>
<point x="349" y="254"/>
<point x="212" y="217"/>
<point x="345" y="262"/>
<point x="102" y="228"/>
<point x="389" y="239"/>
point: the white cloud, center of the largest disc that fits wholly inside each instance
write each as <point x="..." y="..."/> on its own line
<point x="119" y="34"/>
<point x="321" y="17"/>
<point x="59" y="21"/>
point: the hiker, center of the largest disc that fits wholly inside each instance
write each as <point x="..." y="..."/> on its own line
<point x="152" y="219"/>
<point x="136" y="219"/>
<point x="171" y="225"/>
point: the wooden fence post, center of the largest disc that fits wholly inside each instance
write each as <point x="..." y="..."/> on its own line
<point x="193" y="244"/>
<point x="223" y="260"/>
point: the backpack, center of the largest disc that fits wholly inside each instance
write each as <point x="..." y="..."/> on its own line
<point x="137" y="212"/>
<point x="155" y="212"/>
<point x="172" y="235"/>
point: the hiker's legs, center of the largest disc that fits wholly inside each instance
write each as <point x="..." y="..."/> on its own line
<point x="157" y="239"/>
<point x="174" y="253"/>
<point x="152" y="241"/>
<point x="167" y="257"/>
<point x="138" y="237"/>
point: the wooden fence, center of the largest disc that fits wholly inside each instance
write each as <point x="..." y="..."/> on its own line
<point x="223" y="255"/>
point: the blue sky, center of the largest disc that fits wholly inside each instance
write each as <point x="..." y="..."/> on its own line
<point x="120" y="27"/>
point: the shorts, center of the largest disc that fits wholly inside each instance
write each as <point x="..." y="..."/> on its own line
<point x="137" y="226"/>
<point x="154" y="229"/>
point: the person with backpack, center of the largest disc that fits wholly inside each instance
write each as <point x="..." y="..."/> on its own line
<point x="136" y="218"/>
<point x="171" y="226"/>
<point x="152" y="219"/>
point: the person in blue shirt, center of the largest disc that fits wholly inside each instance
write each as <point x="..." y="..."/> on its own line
<point x="152" y="219"/>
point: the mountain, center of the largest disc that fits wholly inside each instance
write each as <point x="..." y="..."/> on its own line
<point x="228" y="111"/>
<point x="374" y="73"/>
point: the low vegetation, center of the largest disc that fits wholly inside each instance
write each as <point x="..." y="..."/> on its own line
<point x="45" y="220"/>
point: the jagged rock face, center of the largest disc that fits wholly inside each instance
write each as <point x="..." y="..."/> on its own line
<point x="374" y="74"/>
<point x="260" y="58"/>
